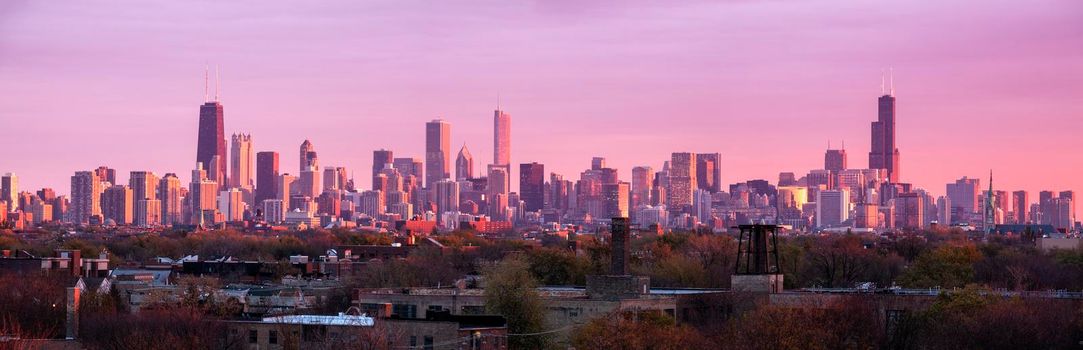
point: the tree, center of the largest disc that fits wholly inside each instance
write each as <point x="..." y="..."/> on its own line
<point x="174" y="328"/>
<point x="990" y="321"/>
<point x="33" y="303"/>
<point x="838" y="262"/>
<point x="847" y="323"/>
<point x="631" y="330"/>
<point x="553" y="266"/>
<point x="510" y="291"/>
<point x="949" y="266"/>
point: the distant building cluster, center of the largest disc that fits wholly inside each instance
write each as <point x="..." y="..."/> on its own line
<point x="252" y="189"/>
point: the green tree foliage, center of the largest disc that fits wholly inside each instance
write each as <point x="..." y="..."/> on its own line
<point x="976" y="318"/>
<point x="949" y="266"/>
<point x="555" y="266"/>
<point x="511" y="291"/>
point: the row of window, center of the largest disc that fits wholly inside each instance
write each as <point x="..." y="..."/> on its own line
<point x="253" y="336"/>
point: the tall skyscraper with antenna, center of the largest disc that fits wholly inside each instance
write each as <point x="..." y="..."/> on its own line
<point x="501" y="137"/>
<point x="502" y="144"/>
<point x="212" y="132"/>
<point x="884" y="154"/>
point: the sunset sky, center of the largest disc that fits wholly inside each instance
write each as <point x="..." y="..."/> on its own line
<point x="980" y="84"/>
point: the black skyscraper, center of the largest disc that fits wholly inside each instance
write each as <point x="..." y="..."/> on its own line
<point x="883" y="154"/>
<point x="212" y="140"/>
<point x="266" y="176"/>
<point x="532" y="185"/>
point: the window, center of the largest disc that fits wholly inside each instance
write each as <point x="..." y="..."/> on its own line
<point x="435" y="308"/>
<point x="413" y="341"/>
<point x="272" y="337"/>
<point x="404" y="310"/>
<point x="253" y="336"/>
<point x="428" y="342"/>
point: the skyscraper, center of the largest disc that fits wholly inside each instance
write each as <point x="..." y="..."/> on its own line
<point x="309" y="181"/>
<point x="884" y="154"/>
<point x="1020" y="205"/>
<point x="943" y="211"/>
<point x="682" y="178"/>
<point x="832" y="207"/>
<point x="106" y="174"/>
<point x="709" y="171"/>
<point x="169" y="188"/>
<point x="86" y="190"/>
<point x="381" y="158"/>
<point x="334" y="178"/>
<point x="144" y="185"/>
<point x="615" y="199"/>
<point x="498" y="188"/>
<point x="963" y="196"/>
<point x="437" y="151"/>
<point x="909" y="211"/>
<point x="9" y="190"/>
<point x="212" y="140"/>
<point x="447" y="196"/>
<point x="284" y="185"/>
<point x="597" y="163"/>
<point x="147" y="212"/>
<point x="410" y="166"/>
<point x="231" y="204"/>
<point x="308" y="157"/>
<point x="266" y="175"/>
<point x="642" y="178"/>
<point x="835" y="160"/>
<point x="1070" y="197"/>
<point x="501" y="138"/>
<point x="118" y="204"/>
<point x="532" y="185"/>
<point x="241" y="159"/>
<point x="464" y="164"/>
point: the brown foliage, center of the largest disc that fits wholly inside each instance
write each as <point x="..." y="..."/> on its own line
<point x="630" y="330"/>
<point x="33" y="303"/>
<point x="177" y="328"/>
<point x="850" y="323"/>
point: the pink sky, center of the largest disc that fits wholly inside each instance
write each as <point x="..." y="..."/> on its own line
<point x="981" y="84"/>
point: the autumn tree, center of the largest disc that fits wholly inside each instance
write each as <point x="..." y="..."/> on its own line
<point x="846" y="323"/>
<point x="511" y="291"/>
<point x="642" y="330"/>
<point x="948" y="266"/>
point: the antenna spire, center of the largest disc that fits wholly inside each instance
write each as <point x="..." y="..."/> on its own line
<point x="498" y="101"/>
<point x="216" y="83"/>
<point x="206" y="83"/>
<point x="892" y="72"/>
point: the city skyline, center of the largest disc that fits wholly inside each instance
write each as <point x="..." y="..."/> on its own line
<point x="525" y="174"/>
<point x="932" y="111"/>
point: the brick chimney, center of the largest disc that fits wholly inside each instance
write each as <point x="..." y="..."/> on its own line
<point x="619" y="243"/>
